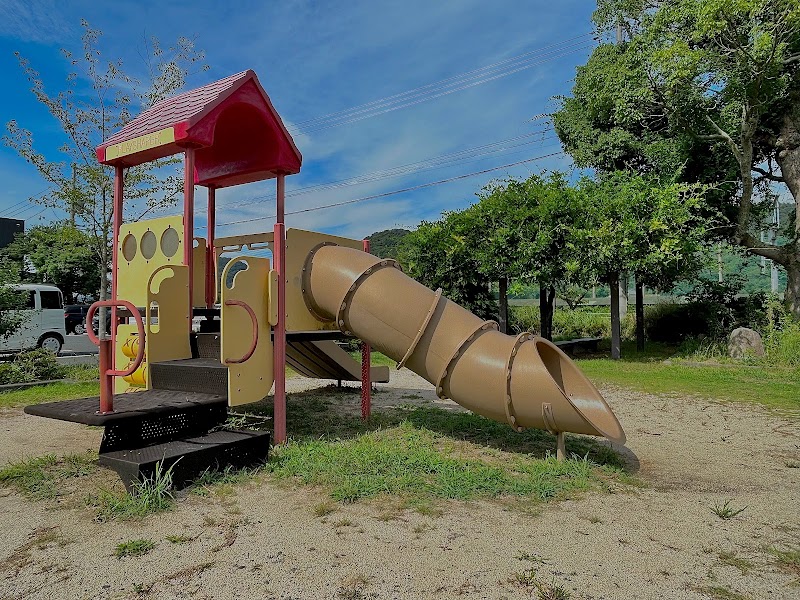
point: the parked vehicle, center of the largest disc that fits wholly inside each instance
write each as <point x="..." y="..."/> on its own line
<point x="75" y="318"/>
<point x="43" y="324"/>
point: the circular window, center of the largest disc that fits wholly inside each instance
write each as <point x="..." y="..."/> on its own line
<point x="170" y="242"/>
<point x="129" y="247"/>
<point x="149" y="244"/>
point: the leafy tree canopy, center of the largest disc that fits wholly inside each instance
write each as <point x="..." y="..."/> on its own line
<point x="59" y="254"/>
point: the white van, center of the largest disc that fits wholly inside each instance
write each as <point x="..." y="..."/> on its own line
<point x="43" y="327"/>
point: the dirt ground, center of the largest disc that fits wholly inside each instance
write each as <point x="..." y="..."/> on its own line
<point x="660" y="541"/>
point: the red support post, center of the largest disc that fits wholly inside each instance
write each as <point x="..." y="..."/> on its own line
<point x="211" y="254"/>
<point x="366" y="382"/>
<point x="106" y="381"/>
<point x="279" y="264"/>
<point x="119" y="181"/>
<point x="188" y="216"/>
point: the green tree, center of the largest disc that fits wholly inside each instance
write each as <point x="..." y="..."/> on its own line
<point x="10" y="300"/>
<point x="707" y="87"/>
<point x="434" y="254"/>
<point x="635" y="225"/>
<point x="552" y="254"/>
<point x="386" y="243"/>
<point x="79" y="185"/>
<point x="59" y="254"/>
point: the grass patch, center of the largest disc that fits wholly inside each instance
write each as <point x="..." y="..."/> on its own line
<point x="422" y="454"/>
<point x="146" y="497"/>
<point x="43" y="477"/>
<point x="134" y="548"/>
<point x="725" y="511"/>
<point x="730" y="559"/>
<point x="413" y="462"/>
<point x="179" y="539"/>
<point x="787" y="560"/>
<point x="220" y="483"/>
<point x="46" y="393"/>
<point x="770" y="386"/>
<point x="719" y="592"/>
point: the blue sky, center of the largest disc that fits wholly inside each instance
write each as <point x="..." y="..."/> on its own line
<point x="317" y="58"/>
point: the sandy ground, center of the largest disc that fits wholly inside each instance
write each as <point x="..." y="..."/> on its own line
<point x="657" y="542"/>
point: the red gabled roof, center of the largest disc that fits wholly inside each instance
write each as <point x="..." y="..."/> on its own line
<point x="238" y="134"/>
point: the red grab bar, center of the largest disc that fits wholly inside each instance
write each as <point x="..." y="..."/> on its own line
<point x="105" y="346"/>
<point x="254" y="321"/>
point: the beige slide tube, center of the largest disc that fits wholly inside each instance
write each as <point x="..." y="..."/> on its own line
<point x="525" y="380"/>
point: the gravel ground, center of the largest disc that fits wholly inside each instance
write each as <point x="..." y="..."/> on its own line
<point x="660" y="541"/>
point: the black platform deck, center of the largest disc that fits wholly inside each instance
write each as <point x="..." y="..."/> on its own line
<point x="126" y="406"/>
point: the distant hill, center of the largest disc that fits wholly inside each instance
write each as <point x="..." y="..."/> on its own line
<point x="384" y="243"/>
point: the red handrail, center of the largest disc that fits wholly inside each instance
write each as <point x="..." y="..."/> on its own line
<point x="137" y="362"/>
<point x="254" y="321"/>
<point x="107" y="374"/>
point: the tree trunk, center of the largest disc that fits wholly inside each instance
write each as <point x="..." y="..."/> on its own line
<point x="547" y="296"/>
<point x="639" y="316"/>
<point x="503" y="293"/>
<point x="613" y="284"/>
<point x="788" y="159"/>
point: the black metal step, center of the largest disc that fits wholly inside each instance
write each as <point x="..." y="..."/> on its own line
<point x="208" y="345"/>
<point x="190" y="457"/>
<point x="203" y="375"/>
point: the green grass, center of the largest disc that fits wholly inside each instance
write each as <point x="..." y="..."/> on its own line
<point x="42" y="478"/>
<point x="788" y="560"/>
<point x="147" y="497"/>
<point x="774" y="387"/>
<point x="134" y="548"/>
<point x="50" y="392"/>
<point x="422" y="454"/>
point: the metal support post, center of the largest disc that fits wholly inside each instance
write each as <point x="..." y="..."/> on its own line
<point x="366" y="383"/>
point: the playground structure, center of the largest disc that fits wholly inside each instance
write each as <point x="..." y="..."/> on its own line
<point x="165" y="390"/>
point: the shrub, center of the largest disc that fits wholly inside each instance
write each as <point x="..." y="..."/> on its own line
<point x="39" y="364"/>
<point x="10" y="373"/>
<point x="567" y="324"/>
<point x="781" y="336"/>
<point x="34" y="365"/>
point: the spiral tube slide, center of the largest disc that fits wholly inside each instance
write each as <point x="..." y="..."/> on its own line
<point x="525" y="380"/>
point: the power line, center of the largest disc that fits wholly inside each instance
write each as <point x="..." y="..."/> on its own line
<point x="420" y="95"/>
<point x="445" y="160"/>
<point x="392" y="193"/>
<point x="434" y="84"/>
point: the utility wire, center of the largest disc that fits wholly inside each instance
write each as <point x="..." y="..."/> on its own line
<point x="392" y="193"/>
<point x="450" y="84"/>
<point x="445" y="160"/>
<point x="352" y="115"/>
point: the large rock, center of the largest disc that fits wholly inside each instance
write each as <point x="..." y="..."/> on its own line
<point x="745" y="342"/>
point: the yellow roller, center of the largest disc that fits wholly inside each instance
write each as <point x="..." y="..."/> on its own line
<point x="130" y="348"/>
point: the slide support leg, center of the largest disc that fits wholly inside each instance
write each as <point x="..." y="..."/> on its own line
<point x="366" y="383"/>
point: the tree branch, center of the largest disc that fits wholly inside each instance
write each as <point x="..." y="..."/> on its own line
<point x="768" y="175"/>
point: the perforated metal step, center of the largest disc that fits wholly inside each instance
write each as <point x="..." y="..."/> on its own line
<point x="208" y="345"/>
<point x="190" y="457"/>
<point x="203" y="375"/>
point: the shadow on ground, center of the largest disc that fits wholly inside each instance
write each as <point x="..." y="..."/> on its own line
<point x="333" y="413"/>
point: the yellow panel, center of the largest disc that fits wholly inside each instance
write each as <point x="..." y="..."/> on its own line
<point x="251" y="380"/>
<point x="273" y="297"/>
<point x="144" y="247"/>
<point x="298" y="244"/>
<point x="199" y="257"/>
<point x="169" y="338"/>
<point x="141" y="143"/>
<point x="121" y="361"/>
